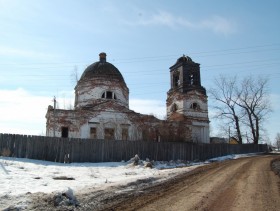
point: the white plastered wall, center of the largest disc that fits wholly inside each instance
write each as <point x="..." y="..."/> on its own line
<point x="113" y="120"/>
<point x="200" y="132"/>
<point x="87" y="93"/>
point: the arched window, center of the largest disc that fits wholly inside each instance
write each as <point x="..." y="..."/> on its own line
<point x="195" y="106"/>
<point x="176" y="79"/>
<point x="109" y="95"/>
<point x="191" y="78"/>
<point x="174" y="107"/>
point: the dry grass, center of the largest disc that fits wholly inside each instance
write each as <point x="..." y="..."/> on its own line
<point x="6" y="152"/>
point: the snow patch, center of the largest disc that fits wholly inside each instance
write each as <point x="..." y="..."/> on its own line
<point x="19" y="176"/>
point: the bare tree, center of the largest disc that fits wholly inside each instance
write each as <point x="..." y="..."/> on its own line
<point x="75" y="75"/>
<point x="277" y="139"/>
<point x="227" y="108"/>
<point x="253" y="99"/>
<point x="244" y="104"/>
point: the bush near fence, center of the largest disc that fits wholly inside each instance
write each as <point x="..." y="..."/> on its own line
<point x="89" y="150"/>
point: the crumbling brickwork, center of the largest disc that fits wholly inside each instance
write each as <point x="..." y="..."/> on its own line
<point x="102" y="111"/>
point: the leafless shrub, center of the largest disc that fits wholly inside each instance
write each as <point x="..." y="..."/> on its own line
<point x="6" y="152"/>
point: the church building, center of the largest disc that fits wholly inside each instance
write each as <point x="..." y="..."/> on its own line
<point x="101" y="109"/>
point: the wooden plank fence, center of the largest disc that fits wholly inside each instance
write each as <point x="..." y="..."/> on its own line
<point x="89" y="150"/>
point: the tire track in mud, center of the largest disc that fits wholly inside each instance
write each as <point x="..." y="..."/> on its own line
<point x="228" y="185"/>
<point x="242" y="184"/>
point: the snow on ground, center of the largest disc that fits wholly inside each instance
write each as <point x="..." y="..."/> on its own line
<point x="20" y="176"/>
<point x="232" y="157"/>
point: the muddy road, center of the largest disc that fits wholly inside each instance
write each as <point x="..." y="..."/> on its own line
<point x="243" y="184"/>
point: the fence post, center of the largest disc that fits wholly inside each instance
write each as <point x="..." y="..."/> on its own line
<point x="78" y="150"/>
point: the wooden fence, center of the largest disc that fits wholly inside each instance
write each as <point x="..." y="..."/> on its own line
<point x="88" y="150"/>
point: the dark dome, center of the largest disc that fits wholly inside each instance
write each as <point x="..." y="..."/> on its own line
<point x="183" y="59"/>
<point x="102" y="69"/>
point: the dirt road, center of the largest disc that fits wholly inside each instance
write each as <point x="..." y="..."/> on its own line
<point x="243" y="184"/>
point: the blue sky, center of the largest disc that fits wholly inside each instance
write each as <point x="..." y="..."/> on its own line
<point x="43" y="42"/>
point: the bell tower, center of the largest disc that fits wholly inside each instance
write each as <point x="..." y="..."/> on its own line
<point x="187" y="99"/>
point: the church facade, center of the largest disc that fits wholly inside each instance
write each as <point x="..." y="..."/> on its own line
<point x="101" y="109"/>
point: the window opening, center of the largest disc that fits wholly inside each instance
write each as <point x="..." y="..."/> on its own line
<point x="124" y="134"/>
<point x="195" y="106"/>
<point x="174" y="107"/>
<point x="108" y="95"/>
<point x="176" y="80"/>
<point x="191" y="79"/>
<point x="93" y="134"/>
<point x="64" y="132"/>
<point x="109" y="134"/>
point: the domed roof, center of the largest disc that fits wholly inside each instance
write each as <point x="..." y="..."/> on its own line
<point x="102" y="69"/>
<point x="182" y="60"/>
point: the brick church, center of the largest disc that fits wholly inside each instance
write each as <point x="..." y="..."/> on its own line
<point x="102" y="111"/>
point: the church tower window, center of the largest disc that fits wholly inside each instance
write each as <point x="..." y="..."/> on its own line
<point x="176" y="79"/>
<point x="174" y="107"/>
<point x="191" y="79"/>
<point x="195" y="106"/>
<point x="109" y="95"/>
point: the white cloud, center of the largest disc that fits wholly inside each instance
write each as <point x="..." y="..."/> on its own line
<point x="21" y="112"/>
<point x="10" y="51"/>
<point x="218" y="24"/>
<point x="161" y="18"/>
<point x="24" y="113"/>
<point x="155" y="107"/>
<point x="214" y="23"/>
